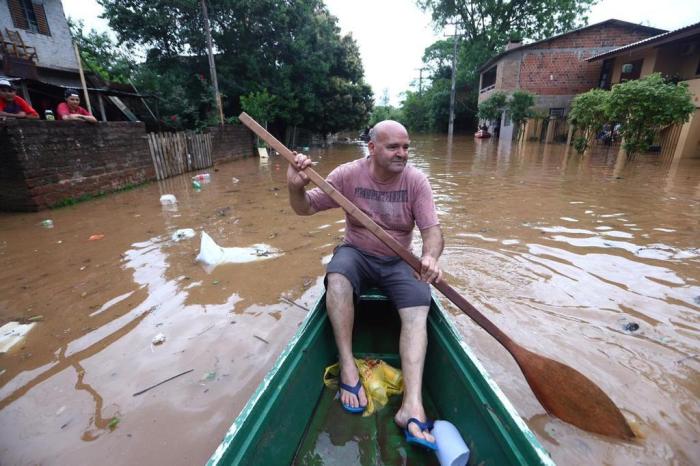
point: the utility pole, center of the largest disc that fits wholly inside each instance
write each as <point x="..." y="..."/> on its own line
<point x="420" y="79"/>
<point x="454" y="79"/>
<point x="212" y="65"/>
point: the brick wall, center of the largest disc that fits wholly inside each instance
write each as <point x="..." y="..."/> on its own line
<point x="44" y="163"/>
<point x="232" y="142"/>
<point x="559" y="67"/>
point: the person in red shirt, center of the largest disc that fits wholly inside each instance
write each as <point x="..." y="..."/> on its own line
<point x="71" y="109"/>
<point x="12" y="106"/>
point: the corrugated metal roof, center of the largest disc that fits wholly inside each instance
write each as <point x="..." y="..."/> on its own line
<point x="608" y="21"/>
<point x="665" y="37"/>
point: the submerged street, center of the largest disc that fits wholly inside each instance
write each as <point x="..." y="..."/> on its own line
<point x="585" y="259"/>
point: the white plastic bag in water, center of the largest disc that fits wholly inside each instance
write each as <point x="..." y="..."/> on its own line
<point x="211" y="253"/>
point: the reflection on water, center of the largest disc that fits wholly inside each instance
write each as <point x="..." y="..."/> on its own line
<point x="561" y="251"/>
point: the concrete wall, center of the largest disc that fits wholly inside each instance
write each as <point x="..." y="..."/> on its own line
<point x="688" y="146"/>
<point x="54" y="51"/>
<point x="47" y="162"/>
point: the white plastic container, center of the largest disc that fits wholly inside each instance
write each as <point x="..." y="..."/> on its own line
<point x="168" y="199"/>
<point x="452" y="451"/>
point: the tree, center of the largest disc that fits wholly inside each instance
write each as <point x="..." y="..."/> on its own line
<point x="487" y="25"/>
<point x="491" y="23"/>
<point x="290" y="49"/>
<point x="101" y="55"/>
<point x="520" y="107"/>
<point x="259" y="105"/>
<point x="492" y="108"/>
<point x="589" y="111"/>
<point x="645" y="106"/>
<point x="381" y="113"/>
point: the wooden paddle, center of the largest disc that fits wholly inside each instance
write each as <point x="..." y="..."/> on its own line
<point x="563" y="391"/>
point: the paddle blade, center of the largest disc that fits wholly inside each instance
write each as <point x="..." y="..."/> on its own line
<point x="569" y="395"/>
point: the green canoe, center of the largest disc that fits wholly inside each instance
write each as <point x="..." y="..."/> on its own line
<point x="292" y="418"/>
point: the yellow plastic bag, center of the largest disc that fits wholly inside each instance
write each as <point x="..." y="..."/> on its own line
<point x="379" y="379"/>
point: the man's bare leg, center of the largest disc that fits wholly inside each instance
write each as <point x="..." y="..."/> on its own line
<point x="412" y="346"/>
<point x="341" y="313"/>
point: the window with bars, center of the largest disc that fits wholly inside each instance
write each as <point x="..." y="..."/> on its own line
<point x="29" y="16"/>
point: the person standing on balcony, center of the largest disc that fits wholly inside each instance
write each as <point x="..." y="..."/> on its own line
<point x="13" y="106"/>
<point x="71" y="109"/>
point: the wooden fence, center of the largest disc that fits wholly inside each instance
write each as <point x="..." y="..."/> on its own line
<point x="177" y="153"/>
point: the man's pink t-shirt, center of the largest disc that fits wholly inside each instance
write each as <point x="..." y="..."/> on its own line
<point x="64" y="110"/>
<point x="396" y="206"/>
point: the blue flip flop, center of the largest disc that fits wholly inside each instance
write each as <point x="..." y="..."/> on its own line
<point x="423" y="426"/>
<point x="355" y="391"/>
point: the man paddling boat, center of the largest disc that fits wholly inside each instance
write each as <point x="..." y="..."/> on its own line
<point x="398" y="197"/>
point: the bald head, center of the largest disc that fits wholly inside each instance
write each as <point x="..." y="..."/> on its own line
<point x="385" y="128"/>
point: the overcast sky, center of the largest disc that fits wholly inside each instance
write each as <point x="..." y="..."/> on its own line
<point x="392" y="34"/>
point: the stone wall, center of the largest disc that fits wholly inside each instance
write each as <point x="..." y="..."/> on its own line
<point x="45" y="163"/>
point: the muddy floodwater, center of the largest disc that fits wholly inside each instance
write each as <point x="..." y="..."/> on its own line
<point x="584" y="259"/>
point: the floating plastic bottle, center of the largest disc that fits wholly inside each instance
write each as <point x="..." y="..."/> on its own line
<point x="48" y="223"/>
<point x="196" y="185"/>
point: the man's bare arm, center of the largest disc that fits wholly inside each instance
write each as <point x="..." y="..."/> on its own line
<point x="432" y="249"/>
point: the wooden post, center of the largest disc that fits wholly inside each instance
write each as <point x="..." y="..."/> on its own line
<point x="570" y="135"/>
<point x="82" y="78"/>
<point x="101" y="105"/>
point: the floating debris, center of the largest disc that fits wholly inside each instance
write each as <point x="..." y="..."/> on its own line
<point x="113" y="423"/>
<point x="168" y="199"/>
<point x="631" y="327"/>
<point x="212" y="254"/>
<point x="161" y="383"/>
<point x="12" y="333"/>
<point x="183" y="233"/>
<point x="158" y="339"/>
<point x="96" y="237"/>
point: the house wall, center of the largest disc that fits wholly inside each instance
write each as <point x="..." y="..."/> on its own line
<point x="556" y="70"/>
<point x="672" y="59"/>
<point x="558" y="67"/>
<point x="54" y="51"/>
<point x="648" y="65"/>
<point x="46" y="162"/>
<point x="680" y="59"/>
<point x="688" y="146"/>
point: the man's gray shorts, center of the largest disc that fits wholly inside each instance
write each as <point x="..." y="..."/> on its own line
<point x="390" y="274"/>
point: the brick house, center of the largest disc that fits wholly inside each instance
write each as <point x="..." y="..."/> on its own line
<point x="675" y="54"/>
<point x="36" y="52"/>
<point x="556" y="69"/>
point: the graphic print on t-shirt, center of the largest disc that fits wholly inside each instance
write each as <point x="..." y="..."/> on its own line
<point x="387" y="206"/>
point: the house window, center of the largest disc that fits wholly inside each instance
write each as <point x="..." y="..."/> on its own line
<point x="556" y="112"/>
<point x="631" y="70"/>
<point x="488" y="79"/>
<point x="29" y="16"/>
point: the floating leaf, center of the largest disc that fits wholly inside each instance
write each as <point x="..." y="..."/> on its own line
<point x="113" y="423"/>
